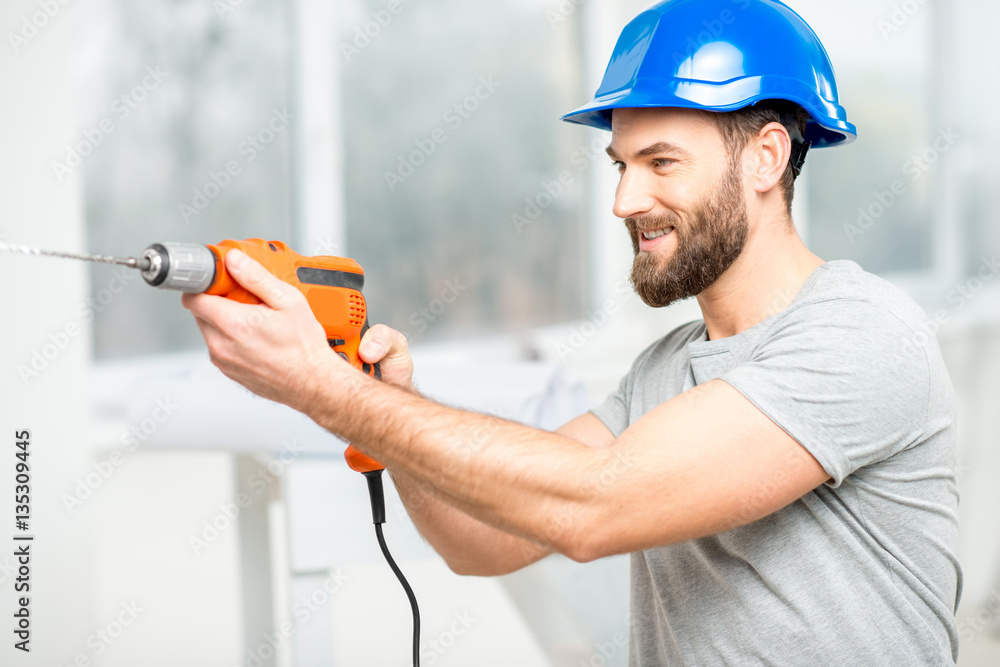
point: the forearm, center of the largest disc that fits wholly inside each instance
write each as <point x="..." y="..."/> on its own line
<point x="534" y="484"/>
<point x="468" y="546"/>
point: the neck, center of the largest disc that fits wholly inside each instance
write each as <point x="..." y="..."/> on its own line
<point x="761" y="282"/>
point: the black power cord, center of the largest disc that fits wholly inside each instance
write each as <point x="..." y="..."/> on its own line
<point x="377" y="495"/>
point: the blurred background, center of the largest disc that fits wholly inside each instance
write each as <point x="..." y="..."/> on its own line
<point x="180" y="521"/>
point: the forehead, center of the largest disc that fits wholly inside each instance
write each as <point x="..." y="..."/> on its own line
<point x="690" y="130"/>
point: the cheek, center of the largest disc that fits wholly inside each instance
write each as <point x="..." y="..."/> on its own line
<point x="680" y="189"/>
<point x="696" y="186"/>
<point x="688" y="187"/>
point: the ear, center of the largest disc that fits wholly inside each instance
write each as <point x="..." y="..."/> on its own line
<point x="767" y="158"/>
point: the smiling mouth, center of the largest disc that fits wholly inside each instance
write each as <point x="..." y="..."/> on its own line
<point x="656" y="233"/>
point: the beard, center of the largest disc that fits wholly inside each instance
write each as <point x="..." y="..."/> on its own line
<point x="706" y="247"/>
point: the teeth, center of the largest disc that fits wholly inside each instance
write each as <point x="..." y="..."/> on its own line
<point x="656" y="233"/>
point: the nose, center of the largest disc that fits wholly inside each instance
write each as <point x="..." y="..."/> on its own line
<point x="633" y="197"/>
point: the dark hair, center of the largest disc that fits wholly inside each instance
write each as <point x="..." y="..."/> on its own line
<point x="740" y="127"/>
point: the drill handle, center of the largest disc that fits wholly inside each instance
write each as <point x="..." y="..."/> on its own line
<point x="357" y="461"/>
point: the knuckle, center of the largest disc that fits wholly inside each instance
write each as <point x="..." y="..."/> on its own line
<point x="216" y="359"/>
<point x="384" y="335"/>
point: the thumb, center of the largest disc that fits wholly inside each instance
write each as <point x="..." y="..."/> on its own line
<point x="382" y="343"/>
<point x="256" y="279"/>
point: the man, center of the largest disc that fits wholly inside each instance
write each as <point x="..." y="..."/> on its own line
<point x="781" y="472"/>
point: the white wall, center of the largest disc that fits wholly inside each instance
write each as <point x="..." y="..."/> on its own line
<point x="39" y="298"/>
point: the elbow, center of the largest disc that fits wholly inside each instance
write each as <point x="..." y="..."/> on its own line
<point x="583" y="551"/>
<point x="592" y="525"/>
<point x="466" y="569"/>
<point x="587" y="542"/>
<point x="462" y="569"/>
<point x="471" y="568"/>
<point x="507" y="558"/>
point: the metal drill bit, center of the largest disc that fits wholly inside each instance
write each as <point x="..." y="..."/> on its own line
<point x="132" y="262"/>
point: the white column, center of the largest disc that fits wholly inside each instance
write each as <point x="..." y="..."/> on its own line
<point x="610" y="249"/>
<point x="320" y="217"/>
<point x="318" y="153"/>
<point x="947" y="229"/>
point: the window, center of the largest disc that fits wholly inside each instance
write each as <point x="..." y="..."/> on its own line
<point x="871" y="201"/>
<point x="462" y="202"/>
<point x="183" y="137"/>
<point x="914" y="198"/>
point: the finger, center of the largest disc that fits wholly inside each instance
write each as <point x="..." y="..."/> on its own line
<point x="253" y="277"/>
<point x="222" y="313"/>
<point x="209" y="331"/>
<point x="215" y="340"/>
<point x="380" y="343"/>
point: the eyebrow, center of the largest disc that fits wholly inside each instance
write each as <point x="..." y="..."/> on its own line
<point x="658" y="148"/>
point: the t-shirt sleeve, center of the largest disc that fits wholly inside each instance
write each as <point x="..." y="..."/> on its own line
<point x="614" y="411"/>
<point x="839" y="378"/>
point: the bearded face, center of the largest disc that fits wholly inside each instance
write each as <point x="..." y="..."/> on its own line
<point x="707" y="244"/>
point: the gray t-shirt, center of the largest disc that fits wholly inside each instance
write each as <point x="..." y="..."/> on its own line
<point x="862" y="570"/>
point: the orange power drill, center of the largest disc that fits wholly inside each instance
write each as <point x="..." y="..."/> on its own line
<point x="331" y="285"/>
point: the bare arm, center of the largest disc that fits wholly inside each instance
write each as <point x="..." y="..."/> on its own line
<point x="468" y="545"/>
<point x="702" y="462"/>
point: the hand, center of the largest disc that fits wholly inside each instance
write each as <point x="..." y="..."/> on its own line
<point x="276" y="349"/>
<point x="388" y="346"/>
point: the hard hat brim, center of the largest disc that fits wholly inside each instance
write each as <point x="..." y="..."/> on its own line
<point x="722" y="97"/>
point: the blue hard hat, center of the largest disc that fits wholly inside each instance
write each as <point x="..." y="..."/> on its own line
<point x="721" y="55"/>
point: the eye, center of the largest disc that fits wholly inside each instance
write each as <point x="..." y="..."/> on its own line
<point x="662" y="162"/>
<point x="619" y="165"/>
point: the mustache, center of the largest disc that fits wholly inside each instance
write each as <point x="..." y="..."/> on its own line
<point x="650" y="222"/>
<point x="636" y="226"/>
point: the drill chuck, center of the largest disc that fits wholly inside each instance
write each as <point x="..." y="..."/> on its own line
<point x="186" y="267"/>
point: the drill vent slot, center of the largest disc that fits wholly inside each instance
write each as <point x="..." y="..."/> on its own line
<point x="357" y="313"/>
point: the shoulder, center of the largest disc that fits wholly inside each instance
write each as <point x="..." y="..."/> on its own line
<point x="615" y="411"/>
<point x="852" y="325"/>
<point x="842" y="288"/>
<point x="844" y="307"/>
